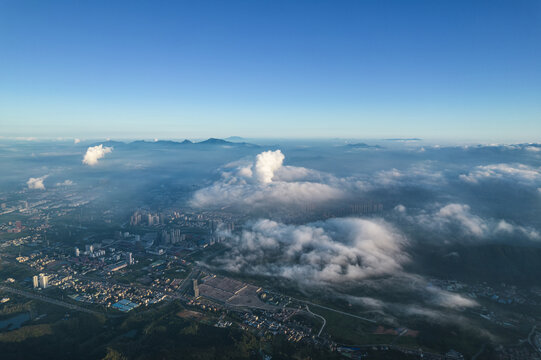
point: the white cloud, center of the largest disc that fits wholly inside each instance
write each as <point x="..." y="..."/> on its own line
<point x="458" y="219"/>
<point x="460" y="213"/>
<point x="518" y="172"/>
<point x="419" y="174"/>
<point x="94" y="153"/>
<point x="36" y="183"/>
<point x="337" y="251"/>
<point x="364" y="301"/>
<point x="26" y="138"/>
<point x="448" y="299"/>
<point x="76" y="141"/>
<point x="266" y="164"/>
<point x="505" y="227"/>
<point x="267" y="182"/>
<point x="66" y="182"/>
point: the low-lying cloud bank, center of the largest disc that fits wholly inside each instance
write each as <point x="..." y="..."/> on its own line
<point x="459" y="220"/>
<point x="266" y="182"/>
<point x="518" y="172"/>
<point x="336" y="258"/>
<point x="421" y="174"/>
<point x="94" y="153"/>
<point x="337" y="251"/>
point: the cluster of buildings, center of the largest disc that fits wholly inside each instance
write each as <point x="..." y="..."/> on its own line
<point x="276" y="321"/>
<point x="40" y="281"/>
<point x="147" y="218"/>
<point x="12" y="227"/>
<point x="180" y="221"/>
<point x="108" y="294"/>
<point x="503" y="294"/>
<point x="37" y="261"/>
<point x="172" y="236"/>
<point x="265" y="323"/>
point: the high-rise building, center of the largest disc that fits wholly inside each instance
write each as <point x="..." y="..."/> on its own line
<point x="35" y="281"/>
<point x="135" y="219"/>
<point x="77" y="251"/>
<point x="43" y="281"/>
<point x="195" y="288"/>
<point x="129" y="258"/>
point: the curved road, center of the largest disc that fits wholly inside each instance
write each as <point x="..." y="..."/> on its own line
<point x="319" y="316"/>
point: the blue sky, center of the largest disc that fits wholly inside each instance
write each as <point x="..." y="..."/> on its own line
<point x="367" y="69"/>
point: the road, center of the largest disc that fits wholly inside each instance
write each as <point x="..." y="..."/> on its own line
<point x="47" y="299"/>
<point x="325" y="307"/>
<point x="477" y="354"/>
<point x="406" y="350"/>
<point x="533" y="343"/>
<point x="319" y="316"/>
<point x="187" y="280"/>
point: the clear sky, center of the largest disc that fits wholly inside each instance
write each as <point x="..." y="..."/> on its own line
<point x="366" y="69"/>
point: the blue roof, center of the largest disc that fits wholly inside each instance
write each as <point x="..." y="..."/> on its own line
<point x="125" y="305"/>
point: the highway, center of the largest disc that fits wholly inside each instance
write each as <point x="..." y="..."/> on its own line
<point x="47" y="299"/>
<point x="187" y="280"/>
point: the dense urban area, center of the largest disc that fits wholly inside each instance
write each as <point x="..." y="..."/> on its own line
<point x="62" y="258"/>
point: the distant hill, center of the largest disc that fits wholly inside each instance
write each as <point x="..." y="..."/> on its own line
<point x="214" y="141"/>
<point x="235" y="139"/>
<point x="362" y="146"/>
<point x="222" y="142"/>
<point x="109" y="143"/>
<point x="403" y="139"/>
<point x="169" y="144"/>
<point x="159" y="143"/>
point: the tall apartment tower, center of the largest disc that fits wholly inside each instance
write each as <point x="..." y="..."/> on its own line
<point x="195" y="288"/>
<point x="43" y="281"/>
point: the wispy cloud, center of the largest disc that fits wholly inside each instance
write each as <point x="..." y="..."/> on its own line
<point x="518" y="172"/>
<point x="66" y="182"/>
<point x="459" y="220"/>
